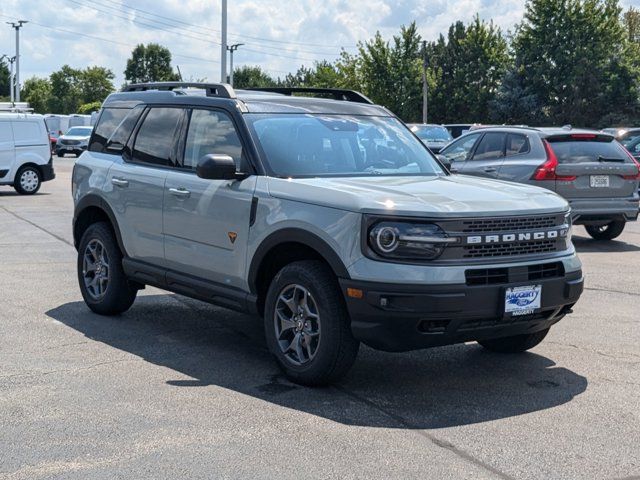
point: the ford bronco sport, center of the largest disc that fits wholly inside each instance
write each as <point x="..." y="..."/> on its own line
<point x="325" y="216"/>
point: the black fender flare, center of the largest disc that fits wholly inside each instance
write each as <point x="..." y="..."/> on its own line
<point x="298" y="235"/>
<point x="93" y="200"/>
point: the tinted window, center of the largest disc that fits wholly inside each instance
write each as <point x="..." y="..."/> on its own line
<point x="460" y="149"/>
<point x="154" y="142"/>
<point x="630" y="139"/>
<point x="581" y="151"/>
<point x="517" y="144"/>
<point x="634" y="145"/>
<point x="121" y="136"/>
<point x="211" y="132"/>
<point x="491" y="147"/>
<point x="107" y="124"/>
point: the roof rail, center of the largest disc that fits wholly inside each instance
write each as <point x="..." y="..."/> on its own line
<point x="223" y="90"/>
<point x="337" y="93"/>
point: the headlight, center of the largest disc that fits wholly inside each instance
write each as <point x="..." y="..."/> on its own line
<point x="569" y="222"/>
<point x="408" y="240"/>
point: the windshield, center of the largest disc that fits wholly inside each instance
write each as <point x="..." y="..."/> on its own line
<point x="79" y="132"/>
<point x="339" y="145"/>
<point x="432" y="134"/>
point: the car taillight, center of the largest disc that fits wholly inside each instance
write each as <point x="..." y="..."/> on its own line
<point x="547" y="171"/>
<point x="637" y="175"/>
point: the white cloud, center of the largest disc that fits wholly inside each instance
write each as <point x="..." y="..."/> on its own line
<point x="279" y="36"/>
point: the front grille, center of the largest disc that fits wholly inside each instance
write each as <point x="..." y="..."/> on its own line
<point x="546" y="270"/>
<point x="508" y="224"/>
<point x="509" y="249"/>
<point x="70" y="142"/>
<point x="497" y="276"/>
<point x="487" y="276"/>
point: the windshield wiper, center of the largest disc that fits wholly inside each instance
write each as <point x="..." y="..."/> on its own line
<point x="605" y="159"/>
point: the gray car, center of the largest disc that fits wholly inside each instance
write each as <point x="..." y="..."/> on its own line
<point x="325" y="216"/>
<point x="75" y="141"/>
<point x="590" y="169"/>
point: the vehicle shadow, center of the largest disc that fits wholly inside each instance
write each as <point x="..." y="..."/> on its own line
<point x="589" y="245"/>
<point x="434" y="388"/>
<point x="13" y="193"/>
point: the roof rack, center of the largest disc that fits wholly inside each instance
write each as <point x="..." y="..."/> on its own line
<point x="337" y="93"/>
<point x="222" y="90"/>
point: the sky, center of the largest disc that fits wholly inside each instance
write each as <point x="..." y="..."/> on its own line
<point x="279" y="36"/>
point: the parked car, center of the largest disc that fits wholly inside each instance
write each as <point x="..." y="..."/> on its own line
<point x="433" y="136"/>
<point x="75" y="141"/>
<point x="457" y="129"/>
<point x="25" y="153"/>
<point x="53" y="139"/>
<point x="590" y="169"/>
<point x="328" y="218"/>
<point x="630" y="138"/>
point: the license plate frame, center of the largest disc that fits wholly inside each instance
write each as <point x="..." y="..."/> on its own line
<point x="522" y="300"/>
<point x="599" y="181"/>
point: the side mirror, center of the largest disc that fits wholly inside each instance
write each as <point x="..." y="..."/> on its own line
<point x="216" y="167"/>
<point x="444" y="161"/>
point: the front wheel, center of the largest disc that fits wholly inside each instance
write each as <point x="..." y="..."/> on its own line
<point x="28" y="180"/>
<point x="103" y="284"/>
<point x="515" y="343"/>
<point x="606" y="232"/>
<point x="307" y="325"/>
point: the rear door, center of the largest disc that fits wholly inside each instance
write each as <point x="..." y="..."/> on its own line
<point x="596" y="166"/>
<point x="487" y="156"/>
<point x="7" y="150"/>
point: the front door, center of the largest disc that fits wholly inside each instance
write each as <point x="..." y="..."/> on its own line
<point x="7" y="150"/>
<point x="206" y="222"/>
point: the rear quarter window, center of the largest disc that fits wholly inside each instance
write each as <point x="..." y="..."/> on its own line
<point x="581" y="151"/>
<point x="108" y="121"/>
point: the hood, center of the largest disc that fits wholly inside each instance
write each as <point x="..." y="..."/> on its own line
<point x="438" y="196"/>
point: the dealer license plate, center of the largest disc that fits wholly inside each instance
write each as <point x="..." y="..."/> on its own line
<point x="599" y="181"/>
<point x="522" y="300"/>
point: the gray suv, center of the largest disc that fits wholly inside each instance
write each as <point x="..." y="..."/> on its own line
<point x="590" y="169"/>
<point x="326" y="217"/>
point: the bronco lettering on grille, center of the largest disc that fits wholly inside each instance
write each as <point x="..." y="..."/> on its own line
<point x="516" y="237"/>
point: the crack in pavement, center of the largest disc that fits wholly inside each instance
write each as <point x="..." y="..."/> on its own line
<point x="57" y="237"/>
<point x="612" y="291"/>
<point x="432" y="438"/>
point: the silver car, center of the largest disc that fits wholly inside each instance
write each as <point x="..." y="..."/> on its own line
<point x="75" y="141"/>
<point x="594" y="172"/>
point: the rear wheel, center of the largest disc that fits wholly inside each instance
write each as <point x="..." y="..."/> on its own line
<point x="606" y="232"/>
<point x="516" y="343"/>
<point x="103" y="284"/>
<point x="28" y="180"/>
<point x="307" y="325"/>
<point x="60" y="153"/>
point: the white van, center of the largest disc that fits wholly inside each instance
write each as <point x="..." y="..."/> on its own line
<point x="25" y="153"/>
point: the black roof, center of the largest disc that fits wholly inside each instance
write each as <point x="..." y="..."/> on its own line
<point x="247" y="101"/>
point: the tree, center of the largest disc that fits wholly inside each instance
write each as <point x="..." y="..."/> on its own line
<point x="4" y="79"/>
<point x="87" y="108"/>
<point x="465" y="72"/>
<point x="248" y="76"/>
<point x="150" y="63"/>
<point x="95" y="84"/>
<point x="322" y="75"/>
<point x="574" y="55"/>
<point x="37" y="91"/>
<point x="66" y="93"/>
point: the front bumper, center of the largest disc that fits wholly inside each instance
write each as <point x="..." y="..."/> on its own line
<point x="70" y="148"/>
<point x="396" y="317"/>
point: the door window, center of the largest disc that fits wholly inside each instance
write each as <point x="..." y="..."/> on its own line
<point x="107" y="124"/>
<point x="517" y="144"/>
<point x="155" y="140"/>
<point x="211" y="132"/>
<point x="491" y="147"/>
<point x="460" y="150"/>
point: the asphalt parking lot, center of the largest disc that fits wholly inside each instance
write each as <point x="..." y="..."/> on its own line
<point x="176" y="388"/>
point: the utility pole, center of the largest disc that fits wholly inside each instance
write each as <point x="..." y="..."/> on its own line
<point x="17" y="26"/>
<point x="425" y="86"/>
<point x="232" y="48"/>
<point x="223" y="49"/>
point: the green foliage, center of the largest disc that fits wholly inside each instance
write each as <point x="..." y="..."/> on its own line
<point x="574" y="54"/>
<point x="247" y="76"/>
<point x="150" y="63"/>
<point x="37" y="91"/>
<point x="87" y="108"/>
<point x="322" y="75"/>
<point x="466" y="69"/>
<point x="4" y="79"/>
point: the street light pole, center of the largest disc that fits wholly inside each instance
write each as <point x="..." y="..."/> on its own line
<point x="232" y="48"/>
<point x="223" y="49"/>
<point x="425" y="86"/>
<point x="17" y="26"/>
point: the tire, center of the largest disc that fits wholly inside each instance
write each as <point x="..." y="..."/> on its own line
<point x="516" y="343"/>
<point x="329" y="332"/>
<point x="60" y="154"/>
<point x="112" y="294"/>
<point x="606" y="232"/>
<point x="28" y="180"/>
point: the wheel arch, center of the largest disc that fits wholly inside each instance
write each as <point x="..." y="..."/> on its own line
<point x="91" y="209"/>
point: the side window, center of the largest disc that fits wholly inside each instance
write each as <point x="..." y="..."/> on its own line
<point x="120" y="137"/>
<point x="491" y="147"/>
<point x="459" y="150"/>
<point x="211" y="132"/>
<point x="107" y="124"/>
<point x="155" y="141"/>
<point x="517" y="144"/>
